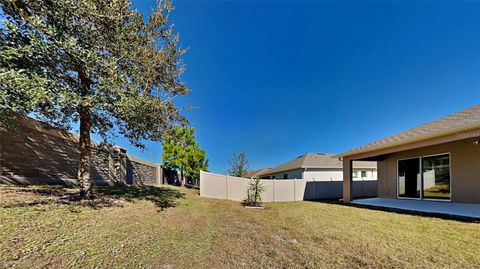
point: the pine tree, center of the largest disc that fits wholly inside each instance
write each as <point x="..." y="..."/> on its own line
<point x="182" y="152"/>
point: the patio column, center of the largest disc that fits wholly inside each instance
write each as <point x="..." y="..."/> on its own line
<point x="347" y="180"/>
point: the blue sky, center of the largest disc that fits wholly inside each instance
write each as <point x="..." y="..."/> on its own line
<point x="279" y="79"/>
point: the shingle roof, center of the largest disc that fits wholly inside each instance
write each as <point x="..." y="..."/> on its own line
<point x="254" y="173"/>
<point x="315" y="160"/>
<point x="469" y="117"/>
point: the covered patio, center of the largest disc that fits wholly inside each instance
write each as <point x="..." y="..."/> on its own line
<point x="430" y="168"/>
<point x="462" y="210"/>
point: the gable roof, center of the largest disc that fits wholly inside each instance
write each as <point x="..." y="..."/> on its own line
<point x="315" y="160"/>
<point x="460" y="121"/>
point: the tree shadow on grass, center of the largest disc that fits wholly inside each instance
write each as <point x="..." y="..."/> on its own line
<point x="162" y="197"/>
<point x="103" y="196"/>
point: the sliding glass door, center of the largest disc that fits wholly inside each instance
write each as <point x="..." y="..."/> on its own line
<point x="425" y="177"/>
<point x="409" y="178"/>
<point x="436" y="177"/>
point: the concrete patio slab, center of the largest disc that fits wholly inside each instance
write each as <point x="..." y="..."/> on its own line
<point x="421" y="206"/>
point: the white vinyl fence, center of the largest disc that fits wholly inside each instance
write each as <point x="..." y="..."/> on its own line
<point x="281" y="190"/>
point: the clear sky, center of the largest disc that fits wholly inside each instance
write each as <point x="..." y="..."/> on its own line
<point x="279" y="79"/>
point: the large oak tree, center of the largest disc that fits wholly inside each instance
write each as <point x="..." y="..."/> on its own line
<point x="98" y="63"/>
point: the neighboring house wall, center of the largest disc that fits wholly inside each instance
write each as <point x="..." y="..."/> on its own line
<point x="363" y="174"/>
<point x="293" y="174"/>
<point x="319" y="174"/>
<point x="31" y="154"/>
<point x="464" y="169"/>
<point x="323" y="174"/>
<point x="337" y="174"/>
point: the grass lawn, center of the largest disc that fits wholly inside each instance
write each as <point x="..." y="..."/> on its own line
<point x="160" y="228"/>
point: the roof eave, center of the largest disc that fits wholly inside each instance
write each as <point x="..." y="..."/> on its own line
<point x="411" y="140"/>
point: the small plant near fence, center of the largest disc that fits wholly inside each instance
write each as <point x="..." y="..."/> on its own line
<point x="254" y="193"/>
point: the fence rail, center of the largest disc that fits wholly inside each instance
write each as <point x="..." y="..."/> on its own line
<point x="284" y="190"/>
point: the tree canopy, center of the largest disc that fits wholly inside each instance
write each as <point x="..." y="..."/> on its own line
<point x="182" y="152"/>
<point x="238" y="164"/>
<point x="97" y="63"/>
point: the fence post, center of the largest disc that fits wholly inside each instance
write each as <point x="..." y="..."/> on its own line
<point x="273" y="190"/>
<point x="294" y="190"/>
<point x="226" y="187"/>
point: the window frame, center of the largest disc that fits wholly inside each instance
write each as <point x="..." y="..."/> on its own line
<point x="421" y="177"/>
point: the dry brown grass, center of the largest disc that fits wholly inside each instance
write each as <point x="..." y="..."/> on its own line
<point x="204" y="233"/>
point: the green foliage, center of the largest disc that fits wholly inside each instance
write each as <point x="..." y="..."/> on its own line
<point x="254" y="193"/>
<point x="60" y="57"/>
<point x="182" y="152"/>
<point x="238" y="164"/>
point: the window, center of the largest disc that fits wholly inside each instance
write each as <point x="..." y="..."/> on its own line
<point x="433" y="182"/>
<point x="285" y="176"/>
<point x="364" y="173"/>
<point x="354" y="174"/>
<point x="273" y="177"/>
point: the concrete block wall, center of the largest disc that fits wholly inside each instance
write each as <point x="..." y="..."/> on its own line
<point x="142" y="172"/>
<point x="36" y="153"/>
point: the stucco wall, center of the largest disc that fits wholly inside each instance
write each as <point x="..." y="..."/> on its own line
<point x="318" y="174"/>
<point x="337" y="174"/>
<point x="464" y="166"/>
<point x="292" y="174"/>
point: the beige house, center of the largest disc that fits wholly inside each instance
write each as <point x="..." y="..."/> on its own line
<point x="438" y="161"/>
<point x="318" y="167"/>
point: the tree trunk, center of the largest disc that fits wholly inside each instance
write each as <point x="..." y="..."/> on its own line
<point x="182" y="180"/>
<point x="85" y="154"/>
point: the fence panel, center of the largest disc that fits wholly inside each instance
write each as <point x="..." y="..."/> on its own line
<point x="364" y="188"/>
<point x="268" y="195"/>
<point x="237" y="188"/>
<point x="282" y="190"/>
<point x="213" y="185"/>
<point x="300" y="186"/>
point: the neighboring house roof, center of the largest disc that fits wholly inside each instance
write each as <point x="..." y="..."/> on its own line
<point x="254" y="173"/>
<point x="315" y="160"/>
<point x="461" y="121"/>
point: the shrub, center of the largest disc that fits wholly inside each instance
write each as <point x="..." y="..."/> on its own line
<point x="254" y="193"/>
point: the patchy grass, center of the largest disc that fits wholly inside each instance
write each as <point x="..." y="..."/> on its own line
<point x="204" y="233"/>
<point x="104" y="196"/>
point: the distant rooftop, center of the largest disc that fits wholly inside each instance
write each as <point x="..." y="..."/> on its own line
<point x="315" y="160"/>
<point x="254" y="173"/>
